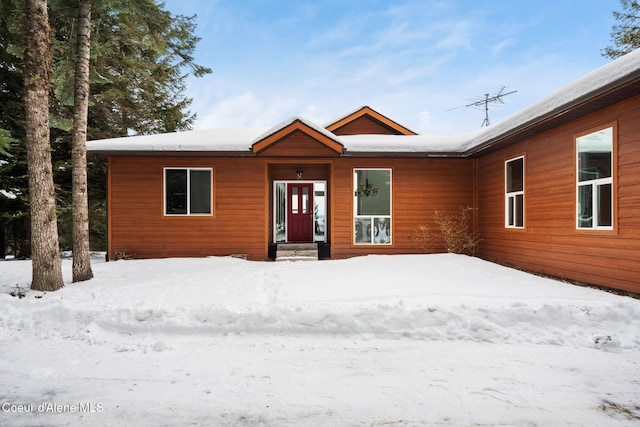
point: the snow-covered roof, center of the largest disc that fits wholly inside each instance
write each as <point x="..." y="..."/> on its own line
<point x="423" y="143"/>
<point x="608" y="77"/>
<point x="215" y="140"/>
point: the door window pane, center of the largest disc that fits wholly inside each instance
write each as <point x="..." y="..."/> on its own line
<point x="305" y="200"/>
<point x="294" y="200"/>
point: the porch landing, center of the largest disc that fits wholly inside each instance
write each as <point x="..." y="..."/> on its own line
<point x="297" y="252"/>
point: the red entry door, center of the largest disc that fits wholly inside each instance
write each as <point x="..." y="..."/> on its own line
<point x="300" y="213"/>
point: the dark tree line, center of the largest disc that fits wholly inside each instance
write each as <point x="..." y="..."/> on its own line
<point x="139" y="59"/>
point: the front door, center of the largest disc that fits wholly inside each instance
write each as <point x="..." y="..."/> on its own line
<point x="300" y="212"/>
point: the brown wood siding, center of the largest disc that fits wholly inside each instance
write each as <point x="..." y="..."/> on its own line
<point x="365" y="125"/>
<point x="242" y="205"/>
<point x="298" y="144"/>
<point x="138" y="225"/>
<point x="420" y="187"/>
<point x="550" y="243"/>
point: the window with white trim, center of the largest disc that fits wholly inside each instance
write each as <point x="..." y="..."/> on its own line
<point x="372" y="206"/>
<point x="594" y="191"/>
<point x="514" y="193"/>
<point x="188" y="191"/>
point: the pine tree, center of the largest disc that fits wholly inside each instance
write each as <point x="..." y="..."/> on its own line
<point x="14" y="201"/>
<point x="47" y="267"/>
<point x="140" y="58"/>
<point x="626" y="34"/>
<point x="143" y="56"/>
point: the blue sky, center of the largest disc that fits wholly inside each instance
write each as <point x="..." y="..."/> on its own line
<point x="415" y="61"/>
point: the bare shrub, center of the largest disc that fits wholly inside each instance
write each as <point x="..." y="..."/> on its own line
<point x="123" y="255"/>
<point x="457" y="231"/>
<point x="423" y="238"/>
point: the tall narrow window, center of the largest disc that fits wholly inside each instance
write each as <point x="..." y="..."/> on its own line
<point x="280" y="212"/>
<point x="594" y="205"/>
<point x="372" y="206"/>
<point x="319" y="210"/>
<point x="188" y="191"/>
<point x="514" y="197"/>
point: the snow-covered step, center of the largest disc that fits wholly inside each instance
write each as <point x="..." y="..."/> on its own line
<point x="297" y="252"/>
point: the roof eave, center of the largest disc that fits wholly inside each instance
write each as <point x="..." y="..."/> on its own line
<point x="104" y="154"/>
<point x="604" y="96"/>
<point x="404" y="154"/>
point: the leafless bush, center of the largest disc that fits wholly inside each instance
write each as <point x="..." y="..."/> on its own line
<point x="423" y="238"/>
<point x="123" y="255"/>
<point x="457" y="231"/>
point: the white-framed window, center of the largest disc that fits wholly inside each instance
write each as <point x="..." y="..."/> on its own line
<point x="514" y="193"/>
<point x="594" y="183"/>
<point x="188" y="191"/>
<point x="372" y="206"/>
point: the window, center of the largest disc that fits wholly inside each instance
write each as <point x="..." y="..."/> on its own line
<point x="372" y="206"/>
<point x="595" y="180"/>
<point x="514" y="189"/>
<point x="187" y="191"/>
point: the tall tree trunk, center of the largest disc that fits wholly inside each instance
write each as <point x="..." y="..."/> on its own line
<point x="47" y="266"/>
<point x="81" y="251"/>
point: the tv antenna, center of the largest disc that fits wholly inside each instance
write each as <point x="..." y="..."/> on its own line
<point x="484" y="102"/>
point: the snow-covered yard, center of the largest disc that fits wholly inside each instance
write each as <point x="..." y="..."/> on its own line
<point x="372" y="341"/>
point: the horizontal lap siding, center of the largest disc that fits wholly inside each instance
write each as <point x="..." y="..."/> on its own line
<point x="298" y="144"/>
<point x="138" y="226"/>
<point x="420" y="187"/>
<point x="364" y="125"/>
<point x="550" y="244"/>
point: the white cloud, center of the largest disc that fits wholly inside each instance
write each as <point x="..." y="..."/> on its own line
<point x="415" y="61"/>
<point x="458" y="36"/>
<point x="499" y="47"/>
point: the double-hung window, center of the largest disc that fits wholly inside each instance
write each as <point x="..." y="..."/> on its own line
<point x="594" y="204"/>
<point x="372" y="206"/>
<point x="514" y="193"/>
<point x="188" y="191"/>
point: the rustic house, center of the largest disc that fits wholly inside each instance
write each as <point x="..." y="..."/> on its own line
<point x="556" y="186"/>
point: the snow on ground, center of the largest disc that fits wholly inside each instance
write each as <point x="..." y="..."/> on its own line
<point x="443" y="340"/>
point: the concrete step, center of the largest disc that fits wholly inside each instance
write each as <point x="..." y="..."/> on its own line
<point x="297" y="252"/>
